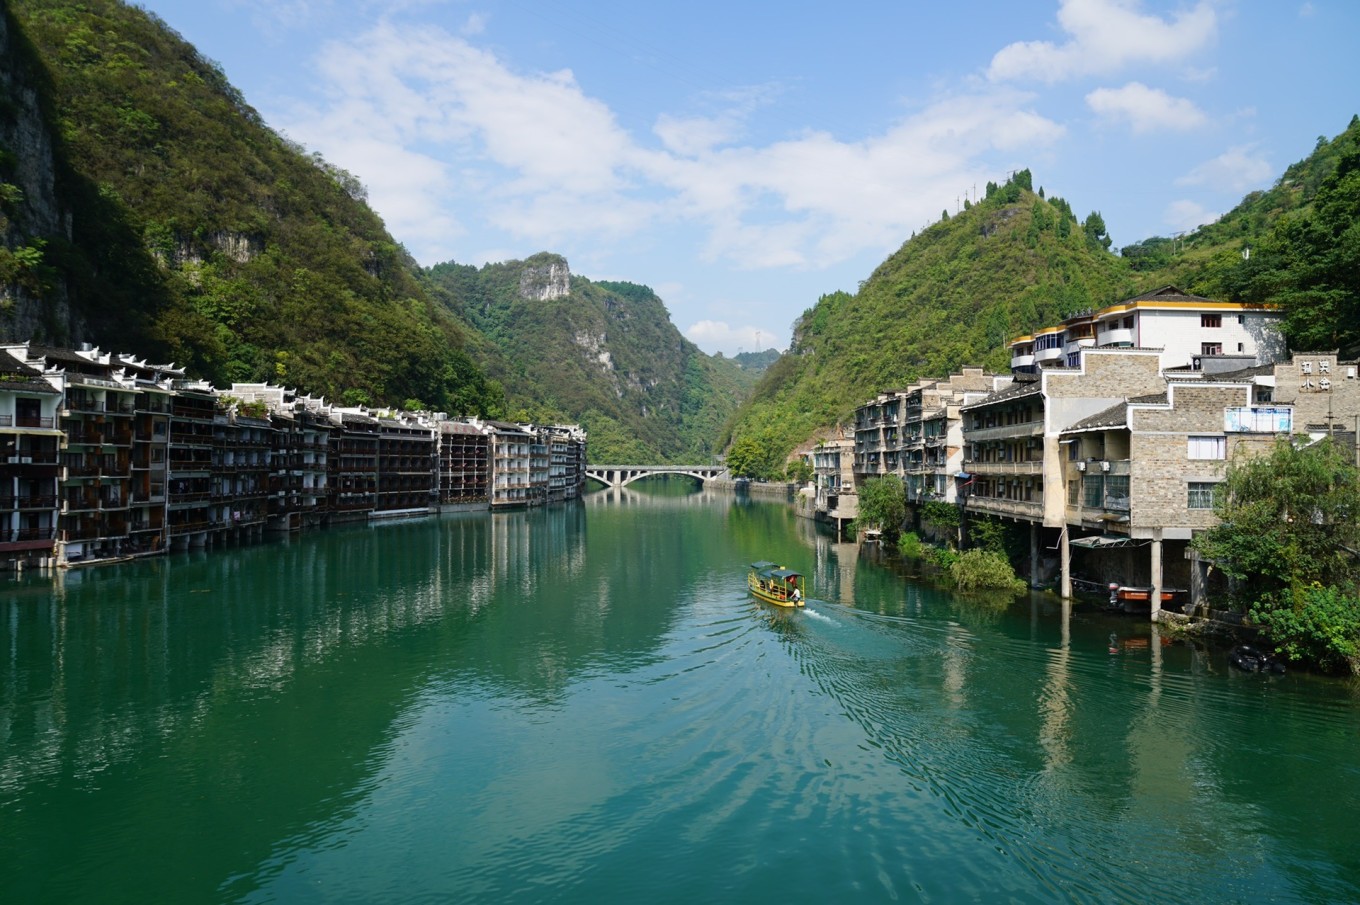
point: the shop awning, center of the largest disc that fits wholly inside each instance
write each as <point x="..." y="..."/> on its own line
<point x="1106" y="542"/>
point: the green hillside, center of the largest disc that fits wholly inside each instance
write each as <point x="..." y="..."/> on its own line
<point x="951" y="296"/>
<point x="1204" y="261"/>
<point x="197" y="234"/>
<point x="601" y="353"/>
<point x="1296" y="245"/>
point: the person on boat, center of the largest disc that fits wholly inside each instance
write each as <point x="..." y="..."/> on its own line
<point x="797" y="594"/>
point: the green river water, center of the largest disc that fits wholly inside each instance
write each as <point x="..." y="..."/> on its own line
<point x="582" y="704"/>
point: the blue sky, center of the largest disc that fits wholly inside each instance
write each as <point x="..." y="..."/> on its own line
<point x="743" y="159"/>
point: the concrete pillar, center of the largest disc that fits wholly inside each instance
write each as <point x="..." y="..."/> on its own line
<point x="1199" y="579"/>
<point x="1065" y="552"/>
<point x="1033" y="555"/>
<point x="1156" y="573"/>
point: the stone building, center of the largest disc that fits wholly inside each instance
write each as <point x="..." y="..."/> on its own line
<point x="932" y="437"/>
<point x="1143" y="473"/>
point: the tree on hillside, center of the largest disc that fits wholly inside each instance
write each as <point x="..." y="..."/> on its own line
<point x="1094" y="227"/>
<point x="1289" y="536"/>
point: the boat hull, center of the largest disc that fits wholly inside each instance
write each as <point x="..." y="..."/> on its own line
<point x="765" y="597"/>
<point x="1135" y="598"/>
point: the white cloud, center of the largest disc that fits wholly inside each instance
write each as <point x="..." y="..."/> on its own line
<point x="1104" y="36"/>
<point x="694" y="135"/>
<point x="1235" y="170"/>
<point x="723" y="337"/>
<point x="273" y="17"/>
<point x="475" y="24"/>
<point x="1186" y="215"/>
<point x="452" y="140"/>
<point x="1145" y="109"/>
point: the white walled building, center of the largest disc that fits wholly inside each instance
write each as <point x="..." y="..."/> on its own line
<point x="1185" y="328"/>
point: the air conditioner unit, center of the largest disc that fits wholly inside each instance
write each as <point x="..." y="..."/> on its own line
<point x="1081" y="466"/>
<point x="1104" y="466"/>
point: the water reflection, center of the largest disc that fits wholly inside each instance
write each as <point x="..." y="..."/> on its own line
<point x="582" y="703"/>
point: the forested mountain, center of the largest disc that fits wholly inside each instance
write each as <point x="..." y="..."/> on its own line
<point x="756" y="362"/>
<point x="949" y="297"/>
<point x="601" y="353"/>
<point x="1296" y="245"/>
<point x="1197" y="260"/>
<point x="144" y="206"/>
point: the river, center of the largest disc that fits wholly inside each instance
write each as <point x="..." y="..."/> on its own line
<point x="582" y="704"/>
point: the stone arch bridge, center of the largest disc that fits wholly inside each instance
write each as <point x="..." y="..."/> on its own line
<point x="623" y="475"/>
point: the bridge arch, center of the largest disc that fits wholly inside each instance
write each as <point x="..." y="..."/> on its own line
<point x="623" y="475"/>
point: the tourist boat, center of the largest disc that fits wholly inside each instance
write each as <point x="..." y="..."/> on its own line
<point x="775" y="584"/>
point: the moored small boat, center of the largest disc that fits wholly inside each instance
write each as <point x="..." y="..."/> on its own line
<point x="1131" y="598"/>
<point x="775" y="584"/>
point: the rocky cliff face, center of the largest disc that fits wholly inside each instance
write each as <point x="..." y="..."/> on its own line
<point x="33" y="301"/>
<point x="545" y="278"/>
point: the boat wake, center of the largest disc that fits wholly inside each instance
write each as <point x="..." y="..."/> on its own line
<point x="813" y="614"/>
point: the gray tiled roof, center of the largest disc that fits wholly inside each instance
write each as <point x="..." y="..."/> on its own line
<point x="1021" y="389"/>
<point x="1114" y="416"/>
<point x="1168" y="294"/>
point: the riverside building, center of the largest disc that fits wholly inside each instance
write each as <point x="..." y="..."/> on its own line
<point x="1111" y="434"/>
<point x="106" y="457"/>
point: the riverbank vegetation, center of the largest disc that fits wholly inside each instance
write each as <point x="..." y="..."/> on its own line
<point x="983" y="565"/>
<point x="1289" y="540"/>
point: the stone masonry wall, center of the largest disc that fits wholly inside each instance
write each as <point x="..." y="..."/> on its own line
<point x="1161" y="468"/>
<point x="1320" y="388"/>
<point x="1106" y="377"/>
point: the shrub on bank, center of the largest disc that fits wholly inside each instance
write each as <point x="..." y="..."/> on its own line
<point x="1319" y="625"/>
<point x="977" y="570"/>
<point x="910" y="546"/>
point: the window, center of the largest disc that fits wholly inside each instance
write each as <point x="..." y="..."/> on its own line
<point x="1207" y="448"/>
<point x="1211" y="320"/>
<point x="1094" y="487"/>
<point x="1211" y="348"/>
<point x="1117" y="492"/>
<point x="1073" y="492"/>
<point x="1200" y="495"/>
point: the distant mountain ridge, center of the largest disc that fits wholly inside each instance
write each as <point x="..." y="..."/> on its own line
<point x="602" y="353"/>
